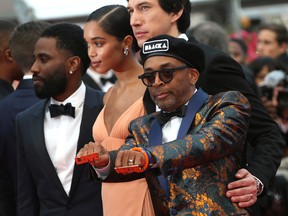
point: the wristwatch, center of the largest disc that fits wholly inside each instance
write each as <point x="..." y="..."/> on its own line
<point x="260" y="186"/>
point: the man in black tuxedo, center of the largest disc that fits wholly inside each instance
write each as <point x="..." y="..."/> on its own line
<point x="51" y="132"/>
<point x="265" y="140"/>
<point x="21" y="44"/>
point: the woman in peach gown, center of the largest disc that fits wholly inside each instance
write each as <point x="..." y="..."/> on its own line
<point x="111" y="45"/>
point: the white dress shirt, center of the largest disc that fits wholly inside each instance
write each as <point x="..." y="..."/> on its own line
<point x="61" y="136"/>
<point x="171" y="128"/>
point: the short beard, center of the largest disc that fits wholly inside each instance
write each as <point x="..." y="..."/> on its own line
<point x="52" y="86"/>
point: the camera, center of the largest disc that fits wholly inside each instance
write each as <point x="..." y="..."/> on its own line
<point x="266" y="91"/>
<point x="276" y="82"/>
<point x="283" y="103"/>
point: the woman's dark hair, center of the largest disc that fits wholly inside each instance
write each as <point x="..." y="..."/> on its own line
<point x="115" y="21"/>
<point x="241" y="43"/>
<point x="174" y="6"/>
<point x="272" y="64"/>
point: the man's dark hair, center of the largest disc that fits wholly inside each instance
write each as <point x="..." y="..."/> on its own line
<point x="22" y="43"/>
<point x="279" y="29"/>
<point x="69" y="37"/>
<point x="174" y="6"/>
<point x="6" y="28"/>
<point x="115" y="21"/>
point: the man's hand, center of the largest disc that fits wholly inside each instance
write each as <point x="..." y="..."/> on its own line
<point x="93" y="147"/>
<point x="244" y="190"/>
<point x="129" y="157"/>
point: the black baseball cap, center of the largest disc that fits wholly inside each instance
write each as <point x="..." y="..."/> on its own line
<point x="165" y="45"/>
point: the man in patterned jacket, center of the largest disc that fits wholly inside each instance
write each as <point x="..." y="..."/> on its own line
<point x="189" y="150"/>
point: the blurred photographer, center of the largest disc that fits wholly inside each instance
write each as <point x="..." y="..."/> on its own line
<point x="274" y="93"/>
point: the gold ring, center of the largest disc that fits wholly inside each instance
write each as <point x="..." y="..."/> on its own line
<point x="130" y="161"/>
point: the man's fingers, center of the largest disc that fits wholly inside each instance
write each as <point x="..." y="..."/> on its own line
<point x="80" y="153"/>
<point x="128" y="158"/>
<point x="118" y="161"/>
<point x="245" y="200"/>
<point x="90" y="148"/>
<point x="248" y="181"/>
<point x="251" y="199"/>
<point x="139" y="158"/>
<point x="241" y="173"/>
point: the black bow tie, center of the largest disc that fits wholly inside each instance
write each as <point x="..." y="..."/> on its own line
<point x="56" y="110"/>
<point x="110" y="79"/>
<point x="164" y="117"/>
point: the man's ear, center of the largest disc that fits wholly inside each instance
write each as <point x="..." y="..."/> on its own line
<point x="193" y="75"/>
<point x="74" y="63"/>
<point x="176" y="16"/>
<point x="8" y="55"/>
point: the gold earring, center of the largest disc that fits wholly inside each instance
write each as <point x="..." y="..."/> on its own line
<point x="126" y="51"/>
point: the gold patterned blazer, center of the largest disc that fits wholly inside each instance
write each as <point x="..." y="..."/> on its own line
<point x="199" y="166"/>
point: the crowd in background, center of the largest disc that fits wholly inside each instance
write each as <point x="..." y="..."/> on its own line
<point x="264" y="59"/>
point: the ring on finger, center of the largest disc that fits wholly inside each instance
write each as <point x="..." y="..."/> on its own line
<point x="130" y="161"/>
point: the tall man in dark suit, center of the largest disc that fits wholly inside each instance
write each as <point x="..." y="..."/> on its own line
<point x="51" y="132"/>
<point x="21" y="44"/>
<point x="221" y="73"/>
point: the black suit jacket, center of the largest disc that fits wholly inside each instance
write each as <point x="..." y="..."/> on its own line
<point x="40" y="191"/>
<point x="90" y="82"/>
<point x="10" y="106"/>
<point x="265" y="140"/>
<point x="5" y="89"/>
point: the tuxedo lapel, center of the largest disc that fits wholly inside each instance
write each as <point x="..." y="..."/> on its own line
<point x="92" y="106"/>
<point x="197" y="100"/>
<point x="38" y="140"/>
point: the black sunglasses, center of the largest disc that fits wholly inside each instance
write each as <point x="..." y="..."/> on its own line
<point x="165" y="75"/>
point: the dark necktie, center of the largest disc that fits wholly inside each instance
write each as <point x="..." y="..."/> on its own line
<point x="164" y="117"/>
<point x="56" y="110"/>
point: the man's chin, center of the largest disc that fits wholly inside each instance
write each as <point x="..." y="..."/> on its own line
<point x="140" y="43"/>
<point x="41" y="94"/>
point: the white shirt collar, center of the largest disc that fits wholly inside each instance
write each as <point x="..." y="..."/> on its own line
<point x="27" y="76"/>
<point x="184" y="36"/>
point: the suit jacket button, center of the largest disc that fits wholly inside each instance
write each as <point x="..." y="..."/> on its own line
<point x="68" y="206"/>
<point x="173" y="211"/>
